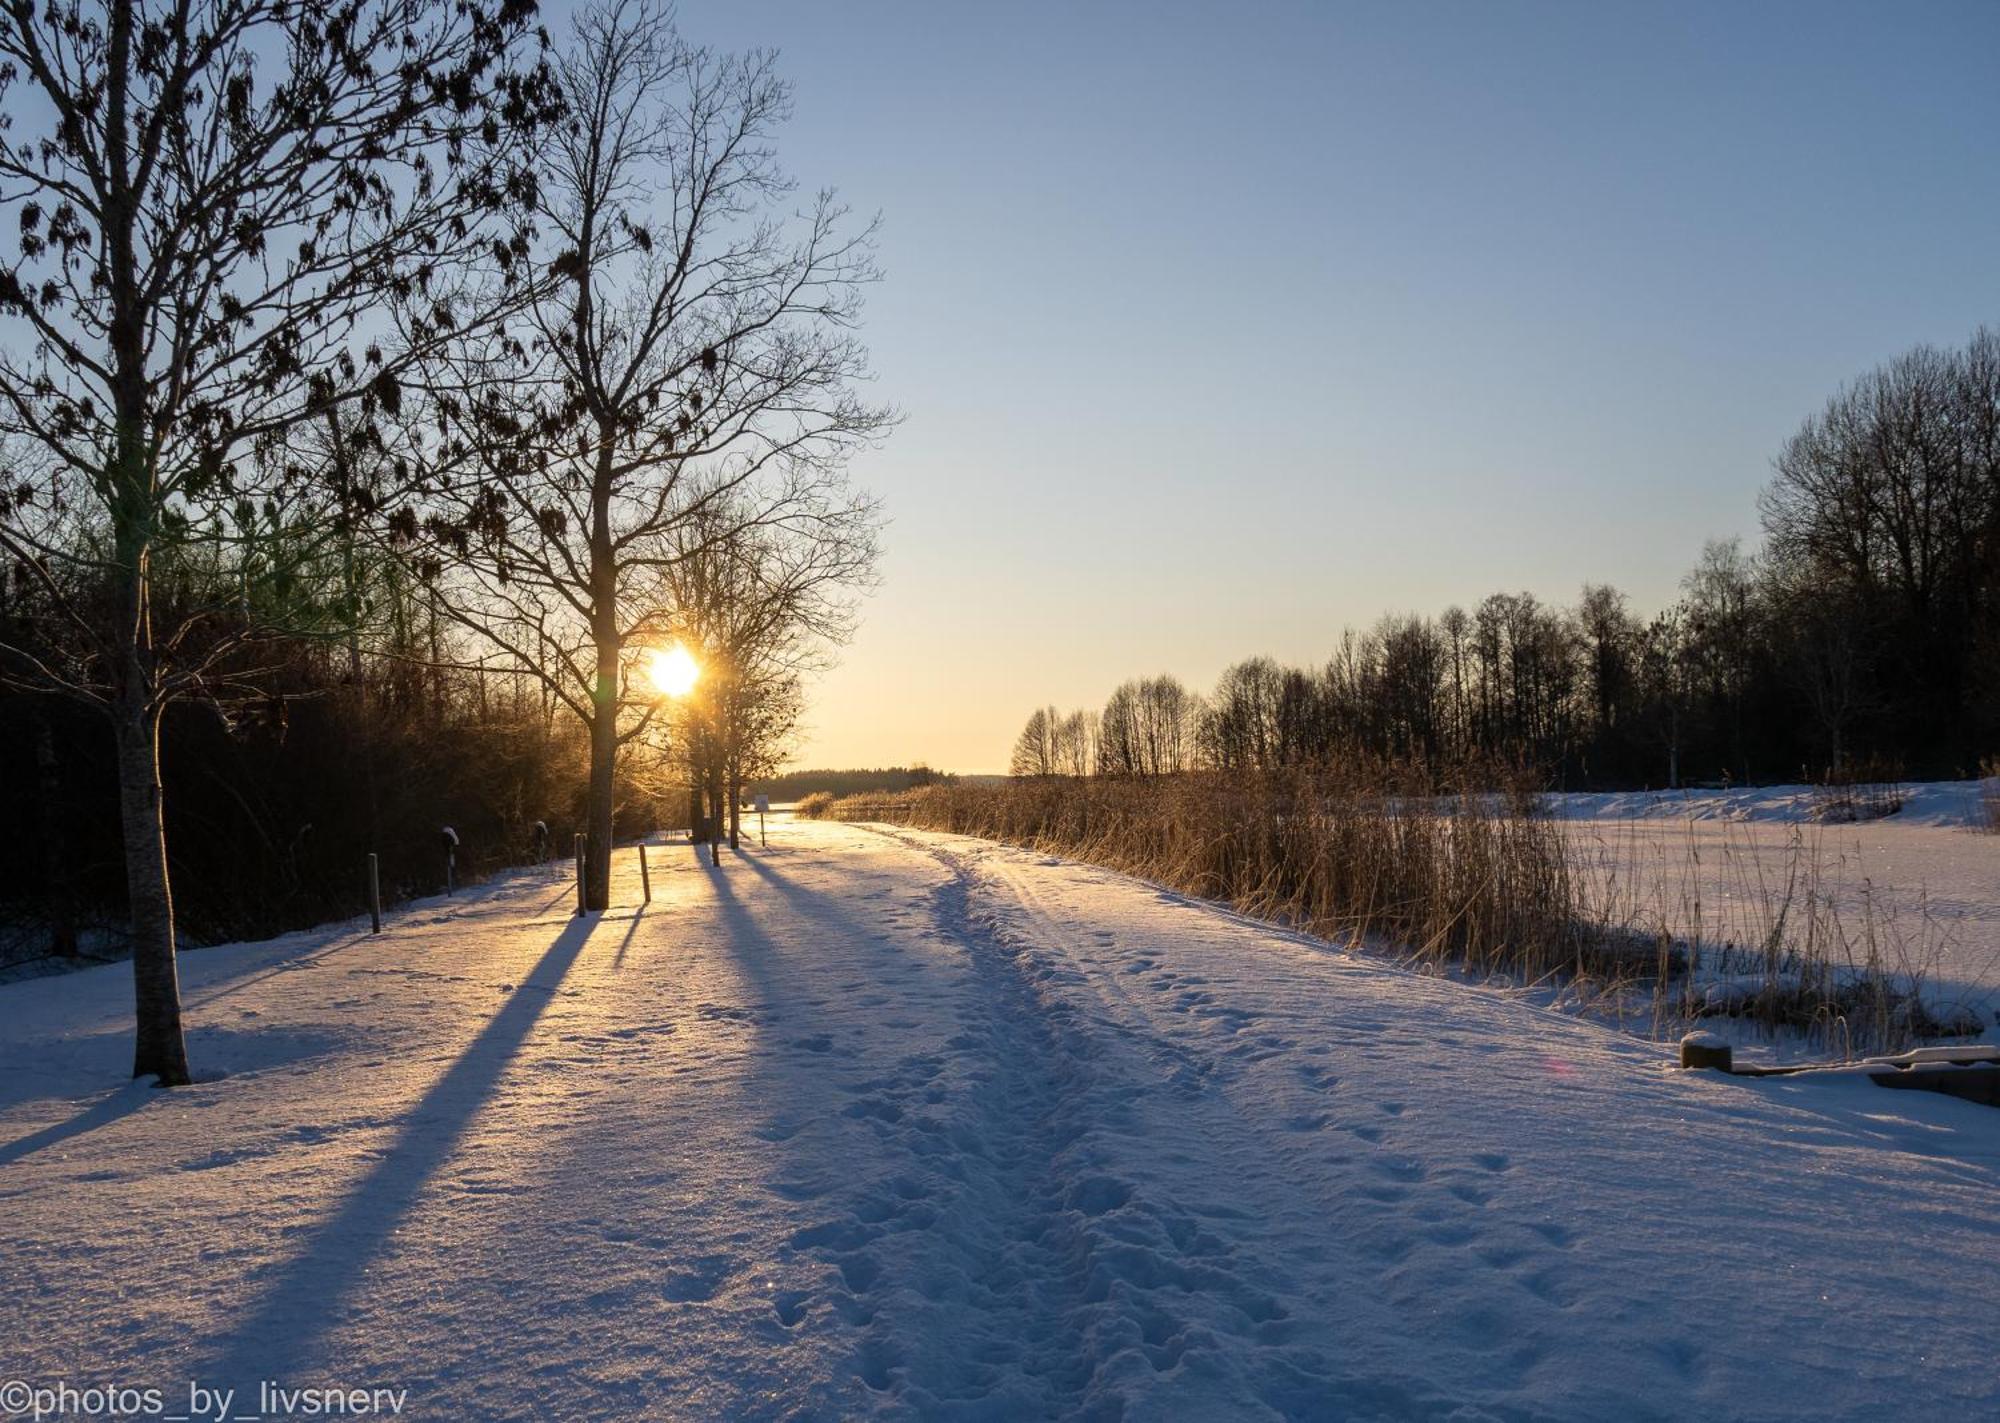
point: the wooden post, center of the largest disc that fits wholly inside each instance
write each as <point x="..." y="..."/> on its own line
<point x="450" y="871"/>
<point x="645" y="875"/>
<point x="579" y="873"/>
<point x="374" y="893"/>
<point x="1705" y="1050"/>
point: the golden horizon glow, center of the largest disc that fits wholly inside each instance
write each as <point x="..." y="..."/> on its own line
<point x="673" y="671"/>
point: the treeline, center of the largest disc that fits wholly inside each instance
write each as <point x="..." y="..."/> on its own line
<point x="795" y="785"/>
<point x="1866" y="634"/>
<point x="272" y="805"/>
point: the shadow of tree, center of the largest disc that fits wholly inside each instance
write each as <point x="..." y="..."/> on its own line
<point x="105" y="1110"/>
<point x="278" y="1338"/>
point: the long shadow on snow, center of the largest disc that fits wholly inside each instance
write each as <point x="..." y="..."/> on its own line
<point x="279" y="1338"/>
<point x="103" y="1112"/>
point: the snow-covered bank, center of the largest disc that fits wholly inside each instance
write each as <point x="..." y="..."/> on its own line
<point x="914" y="1125"/>
<point x="1915" y="894"/>
<point x="1942" y="804"/>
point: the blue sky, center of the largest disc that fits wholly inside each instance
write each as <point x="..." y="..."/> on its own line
<point x="1219" y="328"/>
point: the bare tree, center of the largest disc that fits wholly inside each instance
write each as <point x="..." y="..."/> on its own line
<point x="694" y="354"/>
<point x="1240" y="730"/>
<point x="765" y="599"/>
<point x="1888" y="502"/>
<point x="1035" y="748"/>
<point x="1666" y="671"/>
<point x="1076" y="744"/>
<point x="227" y="211"/>
<point x="1148" y="728"/>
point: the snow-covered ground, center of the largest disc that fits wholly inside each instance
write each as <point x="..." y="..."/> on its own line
<point x="1956" y="804"/>
<point x="907" y="1125"/>
<point x="1921" y="888"/>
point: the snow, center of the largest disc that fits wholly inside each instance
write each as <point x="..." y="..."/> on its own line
<point x="1921" y="887"/>
<point x="1950" y="804"/>
<point x="903" y="1125"/>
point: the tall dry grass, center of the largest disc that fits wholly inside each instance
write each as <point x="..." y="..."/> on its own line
<point x="1443" y="872"/>
<point x="1394" y="859"/>
<point x="816" y="806"/>
<point x="1850" y="795"/>
<point x="1794" y="940"/>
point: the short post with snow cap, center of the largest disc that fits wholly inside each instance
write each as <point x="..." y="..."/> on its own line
<point x="1706" y="1050"/>
<point x="449" y="838"/>
<point x="374" y="893"/>
<point x="645" y="875"/>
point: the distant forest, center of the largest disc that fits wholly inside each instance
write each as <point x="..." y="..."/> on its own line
<point x="1862" y="641"/>
<point x="794" y="784"/>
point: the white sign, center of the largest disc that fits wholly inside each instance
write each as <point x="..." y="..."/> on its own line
<point x="763" y="803"/>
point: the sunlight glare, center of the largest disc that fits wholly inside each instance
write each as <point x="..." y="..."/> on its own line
<point x="674" y="671"/>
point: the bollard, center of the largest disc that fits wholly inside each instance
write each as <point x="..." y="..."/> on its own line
<point x="1705" y="1050"/>
<point x="374" y="893"/>
<point x="579" y="874"/>
<point x="645" y="875"/>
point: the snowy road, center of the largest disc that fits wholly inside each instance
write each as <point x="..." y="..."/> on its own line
<point x="912" y="1126"/>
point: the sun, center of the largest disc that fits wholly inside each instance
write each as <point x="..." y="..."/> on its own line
<point x="673" y="671"/>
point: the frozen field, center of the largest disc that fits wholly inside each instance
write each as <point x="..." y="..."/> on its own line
<point x="1921" y="888"/>
<point x="913" y="1126"/>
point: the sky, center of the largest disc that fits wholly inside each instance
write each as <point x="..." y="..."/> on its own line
<point x="1219" y="328"/>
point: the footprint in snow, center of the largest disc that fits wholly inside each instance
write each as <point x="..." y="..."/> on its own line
<point x="1560" y="1236"/>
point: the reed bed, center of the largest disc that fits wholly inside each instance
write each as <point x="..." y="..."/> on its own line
<point x="1404" y="862"/>
<point x="1443" y="873"/>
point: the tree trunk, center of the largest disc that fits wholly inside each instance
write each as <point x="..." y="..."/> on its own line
<point x="133" y="502"/>
<point x="603" y="766"/>
<point x="609" y="646"/>
<point x="715" y="811"/>
<point x="160" y="1049"/>
<point x="60" y="897"/>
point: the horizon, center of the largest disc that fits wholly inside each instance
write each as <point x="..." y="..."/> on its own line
<point x="1479" y="301"/>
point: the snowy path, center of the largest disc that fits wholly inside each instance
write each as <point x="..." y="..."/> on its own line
<point x="909" y="1125"/>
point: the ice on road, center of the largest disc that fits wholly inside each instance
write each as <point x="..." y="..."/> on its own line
<point x="882" y="1123"/>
